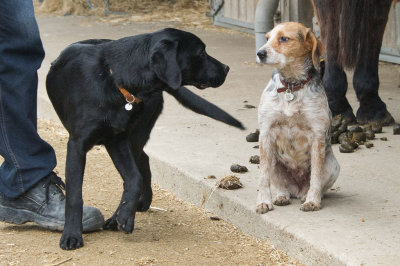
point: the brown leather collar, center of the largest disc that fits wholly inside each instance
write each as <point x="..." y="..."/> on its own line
<point x="294" y="86"/>
<point x="129" y="97"/>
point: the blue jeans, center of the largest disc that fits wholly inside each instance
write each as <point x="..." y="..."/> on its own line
<point x="27" y="158"/>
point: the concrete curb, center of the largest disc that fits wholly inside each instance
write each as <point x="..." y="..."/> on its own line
<point x="224" y="204"/>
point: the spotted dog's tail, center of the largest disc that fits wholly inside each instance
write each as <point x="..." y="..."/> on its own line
<point x="201" y="106"/>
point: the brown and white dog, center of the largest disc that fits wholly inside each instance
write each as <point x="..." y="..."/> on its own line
<point x="294" y="120"/>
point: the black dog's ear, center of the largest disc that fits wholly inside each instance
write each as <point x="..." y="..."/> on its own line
<point x="164" y="63"/>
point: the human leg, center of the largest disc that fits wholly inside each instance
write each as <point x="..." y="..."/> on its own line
<point x="29" y="190"/>
<point x="27" y="158"/>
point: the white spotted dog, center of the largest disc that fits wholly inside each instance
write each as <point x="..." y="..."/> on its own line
<point x="294" y="120"/>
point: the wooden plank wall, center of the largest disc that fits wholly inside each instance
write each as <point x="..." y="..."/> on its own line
<point x="390" y="36"/>
<point x="242" y="10"/>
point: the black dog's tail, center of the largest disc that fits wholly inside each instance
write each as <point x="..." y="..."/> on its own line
<point x="202" y="106"/>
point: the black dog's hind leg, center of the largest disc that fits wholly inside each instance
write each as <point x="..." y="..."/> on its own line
<point x="124" y="217"/>
<point x="366" y="79"/>
<point x="335" y="84"/>
<point x="147" y="193"/>
<point x="75" y="167"/>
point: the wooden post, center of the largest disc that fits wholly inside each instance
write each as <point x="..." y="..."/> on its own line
<point x="297" y="10"/>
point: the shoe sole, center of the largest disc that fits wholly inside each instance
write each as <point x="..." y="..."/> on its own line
<point x="20" y="216"/>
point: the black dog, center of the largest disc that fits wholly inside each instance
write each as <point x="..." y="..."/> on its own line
<point x="110" y="92"/>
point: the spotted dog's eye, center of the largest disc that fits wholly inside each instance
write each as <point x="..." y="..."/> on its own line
<point x="283" y="39"/>
<point x="266" y="39"/>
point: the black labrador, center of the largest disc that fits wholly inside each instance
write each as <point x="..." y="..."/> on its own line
<point x="109" y="92"/>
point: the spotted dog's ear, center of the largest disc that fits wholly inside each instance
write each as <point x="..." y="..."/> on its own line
<point x="164" y="63"/>
<point x="317" y="47"/>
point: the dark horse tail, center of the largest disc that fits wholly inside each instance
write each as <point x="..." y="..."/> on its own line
<point x="350" y="23"/>
<point x="201" y="106"/>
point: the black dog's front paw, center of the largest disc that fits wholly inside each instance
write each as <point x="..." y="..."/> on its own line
<point x="111" y="224"/>
<point x="71" y="242"/>
<point x="123" y="219"/>
<point x="126" y="223"/>
<point x="116" y="223"/>
<point x="145" y="199"/>
<point x="144" y="204"/>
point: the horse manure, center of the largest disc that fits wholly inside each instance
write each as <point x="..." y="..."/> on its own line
<point x="346" y="148"/>
<point x="253" y="137"/>
<point x="230" y="182"/>
<point x="255" y="159"/>
<point x="370" y="135"/>
<point x="376" y="127"/>
<point x="369" y="145"/>
<point x="236" y="168"/>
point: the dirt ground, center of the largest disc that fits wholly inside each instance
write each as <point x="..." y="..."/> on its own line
<point x="179" y="233"/>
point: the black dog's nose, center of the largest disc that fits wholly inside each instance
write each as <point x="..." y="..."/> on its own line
<point x="262" y="54"/>
<point x="226" y="69"/>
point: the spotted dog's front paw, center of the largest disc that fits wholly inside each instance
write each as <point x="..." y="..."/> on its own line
<point x="264" y="207"/>
<point x="303" y="199"/>
<point x="281" y="201"/>
<point x="310" y="206"/>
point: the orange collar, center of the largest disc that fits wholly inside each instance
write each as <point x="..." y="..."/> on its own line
<point x="293" y="86"/>
<point x="129" y="97"/>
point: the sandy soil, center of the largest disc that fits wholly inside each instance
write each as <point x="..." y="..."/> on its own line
<point x="180" y="233"/>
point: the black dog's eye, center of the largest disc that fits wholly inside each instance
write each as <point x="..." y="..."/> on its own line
<point x="203" y="53"/>
<point x="283" y="39"/>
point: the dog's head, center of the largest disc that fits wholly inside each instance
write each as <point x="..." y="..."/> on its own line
<point x="179" y="58"/>
<point x="288" y="42"/>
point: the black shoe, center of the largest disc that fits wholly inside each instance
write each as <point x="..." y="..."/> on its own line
<point x="44" y="204"/>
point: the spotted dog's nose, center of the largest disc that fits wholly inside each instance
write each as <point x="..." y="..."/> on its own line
<point x="262" y="54"/>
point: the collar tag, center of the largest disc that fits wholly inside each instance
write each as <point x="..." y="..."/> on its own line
<point x="128" y="106"/>
<point x="289" y="96"/>
<point x="130" y="98"/>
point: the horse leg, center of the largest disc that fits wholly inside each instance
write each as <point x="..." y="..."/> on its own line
<point x="335" y="84"/>
<point x="366" y="79"/>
